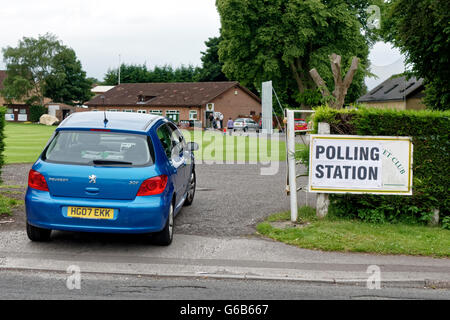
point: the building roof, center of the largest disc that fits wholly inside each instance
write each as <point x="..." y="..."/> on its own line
<point x="183" y="94"/>
<point x="395" y="88"/>
<point x="101" y="89"/>
<point x="116" y="121"/>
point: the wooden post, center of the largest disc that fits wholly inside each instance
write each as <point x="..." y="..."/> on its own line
<point x="322" y="199"/>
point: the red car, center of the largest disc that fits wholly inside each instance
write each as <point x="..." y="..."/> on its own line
<point x="300" y="124"/>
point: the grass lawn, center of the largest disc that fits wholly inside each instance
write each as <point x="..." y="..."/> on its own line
<point x="25" y="142"/>
<point x="8" y="199"/>
<point x="336" y="234"/>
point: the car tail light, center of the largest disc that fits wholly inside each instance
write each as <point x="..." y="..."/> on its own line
<point x="155" y="185"/>
<point x="37" y="181"/>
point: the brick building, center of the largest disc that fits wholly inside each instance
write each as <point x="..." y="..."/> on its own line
<point x="182" y="102"/>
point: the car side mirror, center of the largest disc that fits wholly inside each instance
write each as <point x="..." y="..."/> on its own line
<point x="192" y="146"/>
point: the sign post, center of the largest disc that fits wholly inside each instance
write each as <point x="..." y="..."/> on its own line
<point x="360" y="164"/>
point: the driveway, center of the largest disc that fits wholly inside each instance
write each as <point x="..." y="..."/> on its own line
<point x="230" y="199"/>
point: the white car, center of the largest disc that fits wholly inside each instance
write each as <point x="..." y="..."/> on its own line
<point x="245" y="124"/>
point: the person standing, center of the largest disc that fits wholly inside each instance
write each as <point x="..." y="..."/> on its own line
<point x="230" y="125"/>
<point x="211" y="121"/>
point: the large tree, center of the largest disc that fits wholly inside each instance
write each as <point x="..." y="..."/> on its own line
<point x="34" y="62"/>
<point x="421" y="30"/>
<point x="211" y="66"/>
<point x="68" y="83"/>
<point x="282" y="40"/>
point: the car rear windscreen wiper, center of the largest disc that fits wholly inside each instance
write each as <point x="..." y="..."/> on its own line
<point x="111" y="162"/>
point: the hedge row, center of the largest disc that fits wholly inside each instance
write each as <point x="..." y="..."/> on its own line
<point x="431" y="164"/>
<point x="36" y="112"/>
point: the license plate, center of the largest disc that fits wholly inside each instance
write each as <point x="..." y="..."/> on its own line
<point x="90" y="213"/>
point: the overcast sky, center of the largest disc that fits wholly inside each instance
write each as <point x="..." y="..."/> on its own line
<point x="153" y="32"/>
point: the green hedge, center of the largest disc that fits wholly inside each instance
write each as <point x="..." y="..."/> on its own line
<point x="36" y="112"/>
<point x="431" y="164"/>
<point x="2" y="137"/>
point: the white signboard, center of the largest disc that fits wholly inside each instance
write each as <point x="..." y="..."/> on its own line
<point x="22" y="117"/>
<point x="360" y="164"/>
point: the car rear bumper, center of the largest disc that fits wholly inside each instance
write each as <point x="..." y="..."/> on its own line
<point x="141" y="215"/>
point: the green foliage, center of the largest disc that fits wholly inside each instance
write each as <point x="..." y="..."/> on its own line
<point x="282" y="40"/>
<point x="140" y="74"/>
<point x="43" y="67"/>
<point x="211" y="66"/>
<point x="421" y="30"/>
<point x="67" y="83"/>
<point x="446" y="223"/>
<point x="430" y="131"/>
<point x="2" y="137"/>
<point x="36" y="112"/>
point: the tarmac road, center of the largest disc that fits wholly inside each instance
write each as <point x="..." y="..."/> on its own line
<point x="53" y="286"/>
<point x="230" y="199"/>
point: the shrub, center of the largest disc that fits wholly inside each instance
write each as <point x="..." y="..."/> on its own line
<point x="36" y="112"/>
<point x="430" y="132"/>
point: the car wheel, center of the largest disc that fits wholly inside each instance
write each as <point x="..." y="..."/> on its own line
<point x="38" y="234"/>
<point x="165" y="236"/>
<point x="245" y="129"/>
<point x="191" y="189"/>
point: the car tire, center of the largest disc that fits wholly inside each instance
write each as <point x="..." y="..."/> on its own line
<point x="191" y="191"/>
<point x="38" y="234"/>
<point x="245" y="129"/>
<point x="165" y="236"/>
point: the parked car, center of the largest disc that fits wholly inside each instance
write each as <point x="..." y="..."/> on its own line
<point x="300" y="124"/>
<point x="245" y="124"/>
<point x="112" y="172"/>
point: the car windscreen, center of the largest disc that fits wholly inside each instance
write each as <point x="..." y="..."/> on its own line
<point x="99" y="148"/>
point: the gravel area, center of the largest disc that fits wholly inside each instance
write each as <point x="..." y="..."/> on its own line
<point x="230" y="199"/>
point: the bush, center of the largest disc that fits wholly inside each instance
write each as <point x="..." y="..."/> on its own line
<point x="36" y="112"/>
<point x="431" y="164"/>
<point x="2" y="137"/>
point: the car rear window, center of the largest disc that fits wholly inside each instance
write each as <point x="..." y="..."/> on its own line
<point x="99" y="148"/>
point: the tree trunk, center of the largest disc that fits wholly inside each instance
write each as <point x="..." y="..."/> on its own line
<point x="340" y="85"/>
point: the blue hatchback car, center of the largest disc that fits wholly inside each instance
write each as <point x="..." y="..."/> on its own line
<point x="112" y="172"/>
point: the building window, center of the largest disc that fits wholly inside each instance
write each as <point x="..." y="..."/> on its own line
<point x="173" y="115"/>
<point x="9" y="110"/>
<point x="193" y="115"/>
<point x="127" y="110"/>
<point x="113" y="110"/>
<point x="156" y="112"/>
<point x="142" y="111"/>
<point x="23" y="111"/>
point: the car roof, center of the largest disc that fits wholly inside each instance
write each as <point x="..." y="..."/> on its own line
<point x="129" y="121"/>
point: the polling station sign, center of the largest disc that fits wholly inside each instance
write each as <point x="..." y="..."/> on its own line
<point x="360" y="164"/>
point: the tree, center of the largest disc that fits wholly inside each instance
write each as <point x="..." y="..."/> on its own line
<point x="27" y="67"/>
<point x="140" y="74"/>
<point x="68" y="83"/>
<point x="420" y="29"/>
<point x="211" y="66"/>
<point x="337" y="98"/>
<point x="282" y="40"/>
<point x="34" y="62"/>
